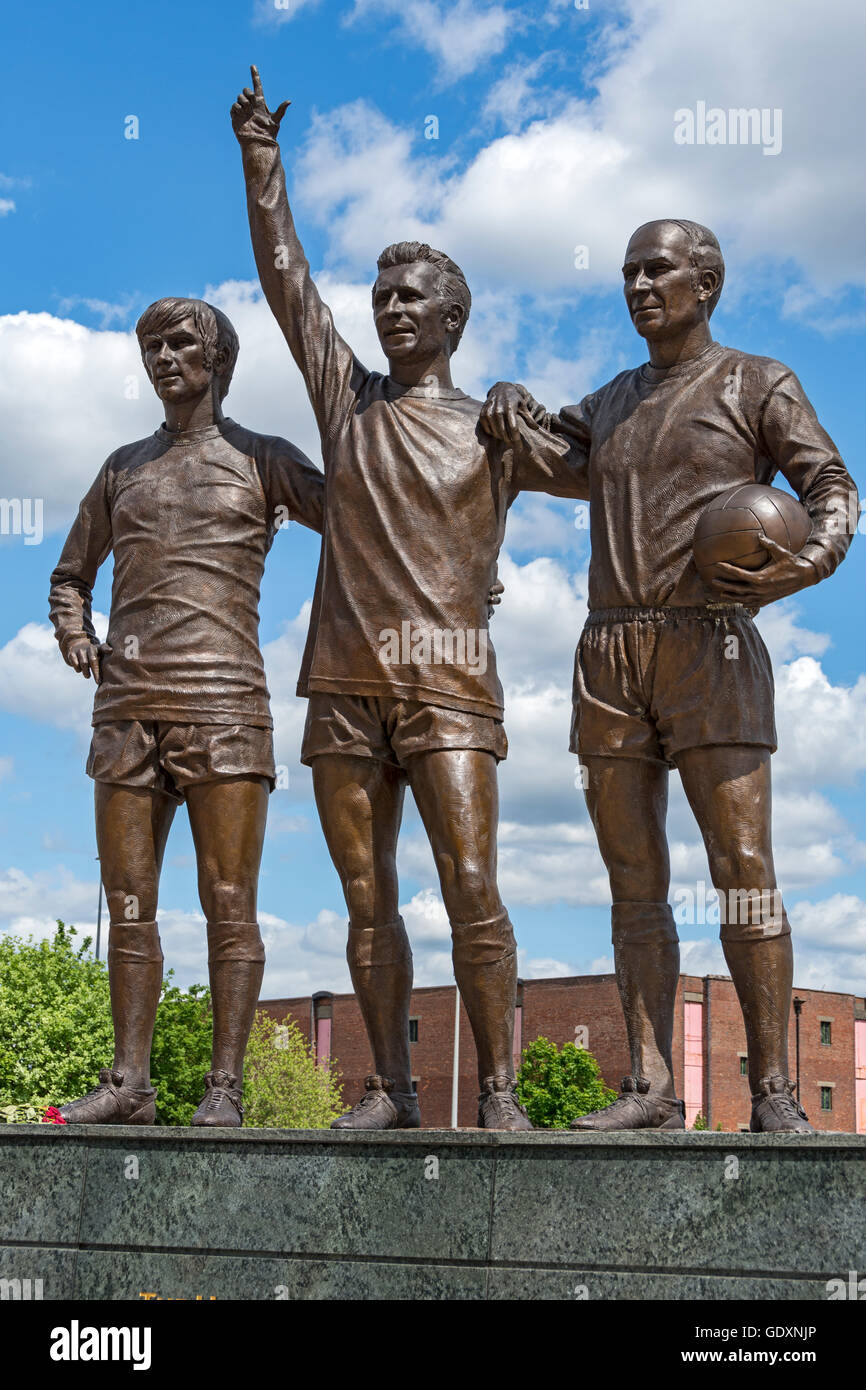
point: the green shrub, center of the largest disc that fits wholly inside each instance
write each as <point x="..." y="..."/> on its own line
<point x="558" y="1085"/>
<point x="284" y="1088"/>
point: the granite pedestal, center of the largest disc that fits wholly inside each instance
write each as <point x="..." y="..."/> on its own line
<point x="124" y="1213"/>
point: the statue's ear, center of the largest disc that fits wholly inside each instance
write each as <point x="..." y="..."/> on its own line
<point x="708" y="283"/>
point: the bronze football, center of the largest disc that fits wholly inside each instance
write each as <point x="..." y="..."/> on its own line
<point x="728" y="529"/>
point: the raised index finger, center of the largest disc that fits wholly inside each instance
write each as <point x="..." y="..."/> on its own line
<point x="257" y="81"/>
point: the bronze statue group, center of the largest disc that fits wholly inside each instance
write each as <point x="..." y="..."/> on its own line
<point x="418" y="477"/>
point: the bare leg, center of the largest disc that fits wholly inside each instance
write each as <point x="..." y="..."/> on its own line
<point x="457" y="796"/>
<point x="132" y="828"/>
<point x="729" y="790"/>
<point x="227" y="818"/>
<point x="627" y="800"/>
<point x="360" y="803"/>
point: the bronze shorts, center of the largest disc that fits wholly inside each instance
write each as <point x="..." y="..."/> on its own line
<point x="170" y="757"/>
<point x="652" y="682"/>
<point x="394" y="730"/>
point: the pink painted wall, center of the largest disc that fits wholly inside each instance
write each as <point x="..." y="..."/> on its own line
<point x="693" y="1068"/>
<point x="860" y="1074"/>
<point x="518" y="1037"/>
<point x="323" y="1041"/>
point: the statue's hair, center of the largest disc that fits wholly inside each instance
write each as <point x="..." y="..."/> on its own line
<point x="453" y="288"/>
<point x="219" y="339"/>
<point x="705" y="253"/>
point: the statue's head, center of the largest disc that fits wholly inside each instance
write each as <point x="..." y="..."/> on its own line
<point x="673" y="275"/>
<point x="187" y="346"/>
<point x="421" y="302"/>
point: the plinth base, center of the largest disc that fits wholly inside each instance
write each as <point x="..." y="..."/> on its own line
<point x="131" y="1213"/>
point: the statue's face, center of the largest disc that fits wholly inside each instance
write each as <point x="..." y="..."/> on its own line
<point x="657" y="275"/>
<point x="412" y="320"/>
<point x="174" y="359"/>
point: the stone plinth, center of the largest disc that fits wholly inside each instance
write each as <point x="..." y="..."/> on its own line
<point x="114" y="1213"/>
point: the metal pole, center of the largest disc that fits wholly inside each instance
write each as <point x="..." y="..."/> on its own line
<point x="99" y="913"/>
<point x="455" y="1076"/>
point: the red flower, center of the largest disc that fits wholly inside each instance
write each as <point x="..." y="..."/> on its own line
<point x="52" y="1116"/>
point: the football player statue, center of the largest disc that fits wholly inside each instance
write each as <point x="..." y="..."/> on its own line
<point x="181" y="710"/>
<point x="670" y="673"/>
<point x="401" y="678"/>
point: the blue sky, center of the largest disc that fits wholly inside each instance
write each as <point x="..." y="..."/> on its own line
<point x="554" y="130"/>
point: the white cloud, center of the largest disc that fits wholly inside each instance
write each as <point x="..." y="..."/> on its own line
<point x="65" y="407"/>
<point x="36" y="683"/>
<point x="459" y="37"/>
<point x="300" y="958"/>
<point x="515" y="98"/>
<point x="600" y="164"/>
<point x="34" y="902"/>
<point x="7" y="205"/>
<point x="107" y="312"/>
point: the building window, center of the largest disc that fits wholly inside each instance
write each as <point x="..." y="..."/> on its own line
<point x="826" y="1097"/>
<point x="826" y="1032"/>
<point x="744" y="1066"/>
<point x="415" y="1080"/>
<point x="413" y="1030"/>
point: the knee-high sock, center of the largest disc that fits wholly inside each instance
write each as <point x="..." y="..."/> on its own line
<point x="135" y="963"/>
<point x="646" y="956"/>
<point x="236" y="963"/>
<point x="380" y="963"/>
<point x="485" y="968"/>
<point x="756" y="939"/>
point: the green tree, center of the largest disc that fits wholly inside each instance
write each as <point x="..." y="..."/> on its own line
<point x="284" y="1088"/>
<point x="700" y="1122"/>
<point x="55" y="1019"/>
<point x="181" y="1053"/>
<point x="56" y="1030"/>
<point x="557" y="1086"/>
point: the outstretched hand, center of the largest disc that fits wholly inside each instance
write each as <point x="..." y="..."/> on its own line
<point x="785" y="574"/>
<point x="250" y="114"/>
<point x="502" y="412"/>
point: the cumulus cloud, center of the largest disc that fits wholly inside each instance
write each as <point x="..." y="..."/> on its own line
<point x="30" y="904"/>
<point x="601" y="162"/>
<point x="71" y="395"/>
<point x="301" y="957"/>
<point x="35" y="683"/>
<point x="459" y="37"/>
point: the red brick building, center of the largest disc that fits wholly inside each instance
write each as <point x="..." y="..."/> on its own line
<point x="709" y="1045"/>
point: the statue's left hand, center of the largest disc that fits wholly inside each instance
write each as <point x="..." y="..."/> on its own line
<point x="786" y="574"/>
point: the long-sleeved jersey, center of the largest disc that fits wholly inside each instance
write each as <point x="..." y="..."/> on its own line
<point x="661" y="443"/>
<point x="416" y="493"/>
<point x="189" y="517"/>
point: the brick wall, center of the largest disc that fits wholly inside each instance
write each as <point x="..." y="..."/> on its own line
<point x="556" y="1008"/>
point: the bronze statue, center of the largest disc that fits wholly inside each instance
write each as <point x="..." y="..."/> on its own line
<point x="181" y="710"/>
<point x="398" y="668"/>
<point x="669" y="673"/>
